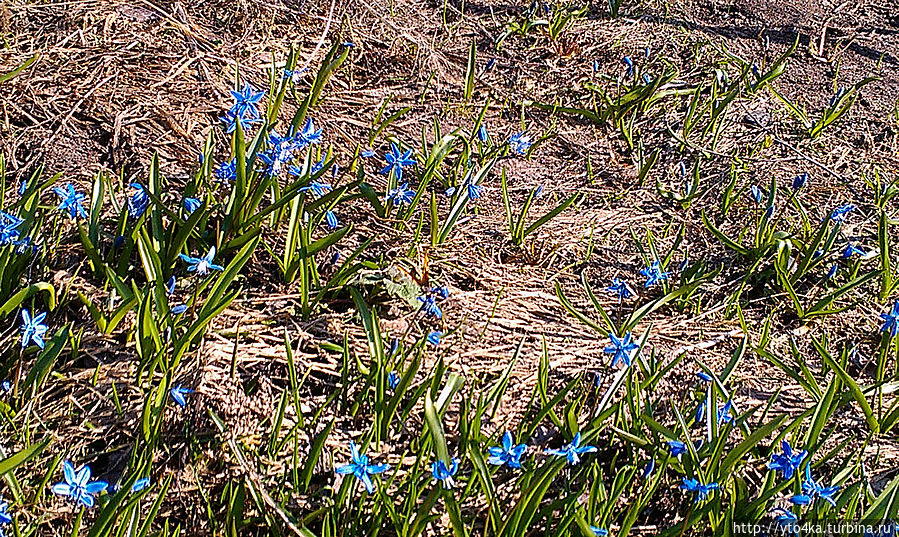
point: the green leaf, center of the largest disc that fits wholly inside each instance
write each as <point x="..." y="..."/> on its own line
<point x="17" y="459"/>
<point x="24" y="294"/>
<point x="856" y="392"/>
<point x="6" y="77"/>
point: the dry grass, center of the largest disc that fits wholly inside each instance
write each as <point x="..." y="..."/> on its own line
<point x="116" y="81"/>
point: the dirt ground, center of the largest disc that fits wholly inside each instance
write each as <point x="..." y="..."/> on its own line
<point x="116" y="81"/>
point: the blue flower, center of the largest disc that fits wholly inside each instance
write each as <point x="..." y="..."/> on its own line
<point x="573" y="450"/>
<point x="832" y="272"/>
<point x="699" y="417"/>
<point x="622" y="349"/>
<point x="702" y="491"/>
<point x="401" y="195"/>
<point x="621" y="288"/>
<point x="178" y="393"/>
<point x="430" y="307"/>
<point x="318" y="189"/>
<point x="396" y="161"/>
<point x="648" y="469"/>
<point x="491" y="63"/>
<point x="800" y="180"/>
<point x="653" y="274"/>
<point x="33" y="328"/>
<point x="139" y="201"/>
<point x="756" y="193"/>
<point x="599" y="532"/>
<point x="78" y="486"/>
<point x="474" y="191"/>
<point x="482" y="133"/>
<point x="140" y="484"/>
<point x="201" y="265"/>
<point x="227" y="171"/>
<point x="191" y="205"/>
<point x="434" y="338"/>
<point x="309" y="135"/>
<point x="520" y="143"/>
<point x="70" y="201"/>
<point x="317" y="167"/>
<point x="246" y="101"/>
<point x="9" y="234"/>
<point x="509" y="454"/>
<point x="812" y="489"/>
<point x="294" y="75"/>
<point x="787" y="520"/>
<point x="331" y="219"/>
<point x="839" y="214"/>
<point x="722" y="414"/>
<point x="231" y="121"/>
<point x="787" y="462"/>
<point x="170" y="285"/>
<point x="393" y="380"/>
<point x="891" y="320"/>
<point x="360" y="468"/>
<point x="5" y="518"/>
<point x="676" y="447"/>
<point x="629" y="66"/>
<point x="179" y="309"/>
<point x="841" y="91"/>
<point x="852" y="249"/>
<point x="704" y="376"/>
<point x="440" y="291"/>
<point x="443" y="473"/>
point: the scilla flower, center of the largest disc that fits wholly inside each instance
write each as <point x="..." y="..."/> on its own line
<point x="360" y="468"/>
<point x="78" y="486"/>
<point x="509" y="454"/>
<point x="201" y="265"/>
<point x="573" y="450"/>
<point x="33" y="328"/>
<point x="443" y="473"/>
